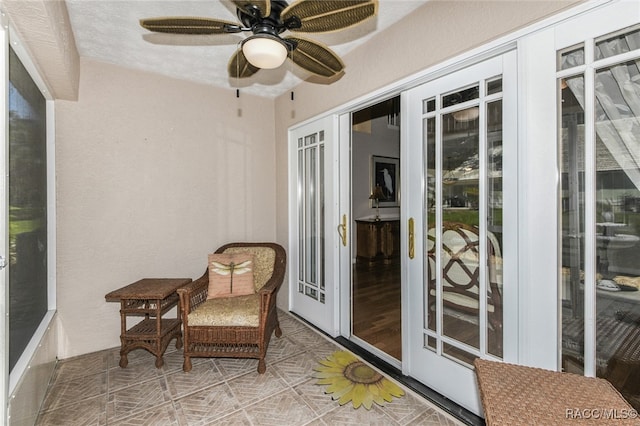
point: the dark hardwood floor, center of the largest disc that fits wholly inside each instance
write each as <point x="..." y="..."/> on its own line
<point x="377" y="313"/>
<point x="376" y="305"/>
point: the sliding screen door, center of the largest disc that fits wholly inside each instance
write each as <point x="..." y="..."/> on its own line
<point x="27" y="208"/>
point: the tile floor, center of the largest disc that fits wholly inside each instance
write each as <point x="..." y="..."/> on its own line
<point x="93" y="390"/>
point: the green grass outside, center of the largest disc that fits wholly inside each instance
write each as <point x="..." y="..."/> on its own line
<point x="470" y="217"/>
<point x="23" y="220"/>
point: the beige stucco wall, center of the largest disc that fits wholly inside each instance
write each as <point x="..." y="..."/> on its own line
<point x="152" y="174"/>
<point x="438" y="31"/>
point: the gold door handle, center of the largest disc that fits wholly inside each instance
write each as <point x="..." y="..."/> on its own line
<point x="342" y="230"/>
<point x="412" y="246"/>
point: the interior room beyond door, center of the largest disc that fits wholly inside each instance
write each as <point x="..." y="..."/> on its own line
<point x="375" y="203"/>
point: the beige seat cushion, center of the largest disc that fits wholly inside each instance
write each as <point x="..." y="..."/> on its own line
<point x="240" y="311"/>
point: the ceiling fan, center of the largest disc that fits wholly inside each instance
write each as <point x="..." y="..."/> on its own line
<point x="267" y="19"/>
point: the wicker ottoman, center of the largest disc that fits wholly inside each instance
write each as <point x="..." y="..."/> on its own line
<point x="518" y="395"/>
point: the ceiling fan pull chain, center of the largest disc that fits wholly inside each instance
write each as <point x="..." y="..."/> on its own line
<point x="238" y="49"/>
<point x="290" y="66"/>
<point x="239" y="110"/>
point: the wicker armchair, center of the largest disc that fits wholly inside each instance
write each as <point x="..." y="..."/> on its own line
<point x="236" y="327"/>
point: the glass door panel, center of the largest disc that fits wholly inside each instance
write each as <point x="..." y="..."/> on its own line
<point x="310" y="149"/>
<point x="460" y="268"/>
<point x="495" y="240"/>
<point x="460" y="251"/>
<point x="600" y="168"/>
<point x="572" y="204"/>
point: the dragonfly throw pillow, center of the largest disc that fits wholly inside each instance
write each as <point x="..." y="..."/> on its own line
<point x="230" y="275"/>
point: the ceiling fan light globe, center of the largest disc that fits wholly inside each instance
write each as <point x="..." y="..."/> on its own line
<point x="264" y="51"/>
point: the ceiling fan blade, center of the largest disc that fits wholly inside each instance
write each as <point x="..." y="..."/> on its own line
<point x="329" y="15"/>
<point x="188" y="25"/>
<point x="248" y="6"/>
<point x="239" y="67"/>
<point x="315" y="58"/>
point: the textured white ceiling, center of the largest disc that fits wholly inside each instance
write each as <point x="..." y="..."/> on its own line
<point x="108" y="31"/>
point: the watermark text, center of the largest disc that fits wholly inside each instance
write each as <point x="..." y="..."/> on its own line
<point x="601" y="413"/>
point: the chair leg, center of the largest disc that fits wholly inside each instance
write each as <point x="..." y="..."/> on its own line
<point x="262" y="366"/>
<point x="277" y="330"/>
<point x="186" y="366"/>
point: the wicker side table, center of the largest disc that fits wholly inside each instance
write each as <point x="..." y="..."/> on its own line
<point x="518" y="395"/>
<point x="150" y="298"/>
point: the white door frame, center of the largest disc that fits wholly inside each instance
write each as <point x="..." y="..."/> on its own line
<point x="4" y="220"/>
<point x="345" y="254"/>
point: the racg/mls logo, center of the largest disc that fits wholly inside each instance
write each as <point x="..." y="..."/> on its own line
<point x="600" y="413"/>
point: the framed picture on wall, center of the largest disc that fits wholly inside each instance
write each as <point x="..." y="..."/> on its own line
<point x="385" y="173"/>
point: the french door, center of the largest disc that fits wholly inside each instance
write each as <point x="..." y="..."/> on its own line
<point x="312" y="211"/>
<point x="599" y="143"/>
<point x="459" y="216"/>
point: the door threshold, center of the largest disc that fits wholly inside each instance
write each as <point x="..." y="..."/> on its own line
<point x="381" y="355"/>
<point x="442" y="402"/>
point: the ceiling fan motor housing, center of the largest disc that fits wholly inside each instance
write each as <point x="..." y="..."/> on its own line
<point x="272" y="24"/>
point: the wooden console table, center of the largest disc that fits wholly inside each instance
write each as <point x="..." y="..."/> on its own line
<point x="150" y="298"/>
<point x="377" y="238"/>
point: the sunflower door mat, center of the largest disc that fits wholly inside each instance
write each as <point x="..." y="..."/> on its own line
<point x="348" y="379"/>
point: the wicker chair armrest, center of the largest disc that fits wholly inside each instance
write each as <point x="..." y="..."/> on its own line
<point x="267" y="294"/>
<point x="269" y="291"/>
<point x="271" y="286"/>
<point x="193" y="294"/>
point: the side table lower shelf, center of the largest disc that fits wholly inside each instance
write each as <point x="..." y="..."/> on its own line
<point x="150" y="298"/>
<point x="145" y="335"/>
